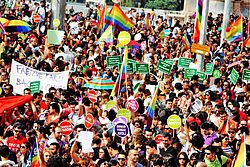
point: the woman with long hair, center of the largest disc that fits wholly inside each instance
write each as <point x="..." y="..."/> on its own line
<point x="103" y="155"/>
<point x="182" y="159"/>
<point x="46" y="154"/>
<point x="23" y="155"/>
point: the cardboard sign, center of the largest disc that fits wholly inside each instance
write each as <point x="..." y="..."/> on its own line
<point x="121" y="129"/>
<point x="113" y="60"/>
<point x="189" y="72"/>
<point x="92" y="96"/>
<point x="202" y="75"/>
<point x="200" y="49"/>
<point x="55" y="37"/>
<point x="124" y="113"/>
<point x="174" y="121"/>
<point x="89" y="121"/>
<point x="184" y="62"/>
<point x="67" y="128"/>
<point x="246" y="75"/>
<point x="35" y="87"/>
<point x="164" y="67"/>
<point x="234" y="76"/>
<point x="209" y="69"/>
<point x="142" y="68"/>
<point x="132" y="104"/>
<point x="21" y="76"/>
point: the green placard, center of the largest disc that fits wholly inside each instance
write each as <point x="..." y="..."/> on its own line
<point x="169" y="61"/>
<point x="113" y="60"/>
<point x="110" y="105"/>
<point x="246" y="75"/>
<point x="142" y="68"/>
<point x="202" y="75"/>
<point x="164" y="66"/>
<point x="133" y="62"/>
<point x="184" y="62"/>
<point x="216" y="74"/>
<point x="189" y="72"/>
<point x="234" y="76"/>
<point x="130" y="68"/>
<point x="35" y="87"/>
<point x="124" y="113"/>
<point x="209" y="69"/>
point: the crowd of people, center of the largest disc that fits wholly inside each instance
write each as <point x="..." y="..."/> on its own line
<point x="210" y="137"/>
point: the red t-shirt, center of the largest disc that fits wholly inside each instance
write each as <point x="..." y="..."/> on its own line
<point x="15" y="144"/>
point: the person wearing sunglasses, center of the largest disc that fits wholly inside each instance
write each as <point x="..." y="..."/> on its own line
<point x="14" y="142"/>
<point x="182" y="159"/>
<point x="212" y="160"/>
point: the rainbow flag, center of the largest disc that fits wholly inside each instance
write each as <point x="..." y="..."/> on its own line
<point x="151" y="107"/>
<point x="2" y="30"/>
<point x="186" y="40"/>
<point x="107" y="36"/>
<point x="34" y="160"/>
<point x="247" y="42"/>
<point x="235" y="30"/>
<point x="198" y="18"/>
<point x="241" y="157"/>
<point x="101" y="18"/>
<point x="118" y="19"/>
<point x="122" y="74"/>
<point x="147" y="22"/>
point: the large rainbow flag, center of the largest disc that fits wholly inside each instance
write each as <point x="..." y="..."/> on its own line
<point x="151" y="107"/>
<point x="101" y="17"/>
<point x="34" y="160"/>
<point x="247" y="42"/>
<point x="235" y="30"/>
<point x="198" y="18"/>
<point x="241" y="157"/>
<point x="118" y="19"/>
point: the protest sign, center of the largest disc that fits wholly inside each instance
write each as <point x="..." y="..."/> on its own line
<point x="202" y="75"/>
<point x="111" y="104"/>
<point x="174" y="121"/>
<point x="130" y="68"/>
<point x="158" y="139"/>
<point x="234" y="76"/>
<point x="92" y="95"/>
<point x="196" y="106"/>
<point x="89" y="121"/>
<point x="132" y="104"/>
<point x="34" y="87"/>
<point x="200" y="49"/>
<point x="169" y="61"/>
<point x="246" y="75"/>
<point x="216" y="74"/>
<point x="184" y="62"/>
<point x="113" y="60"/>
<point x="67" y="128"/>
<point x="119" y="119"/>
<point x="134" y="63"/>
<point x="56" y="22"/>
<point x="121" y="129"/>
<point x="124" y="113"/>
<point x="86" y="138"/>
<point x="189" y="72"/>
<point x="209" y="69"/>
<point x="164" y="66"/>
<point x="142" y="68"/>
<point x="55" y="37"/>
<point x="21" y="76"/>
<point x="124" y="37"/>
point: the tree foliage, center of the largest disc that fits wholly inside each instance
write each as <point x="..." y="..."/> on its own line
<point x="163" y="4"/>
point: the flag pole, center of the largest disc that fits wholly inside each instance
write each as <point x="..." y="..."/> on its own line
<point x="225" y="22"/>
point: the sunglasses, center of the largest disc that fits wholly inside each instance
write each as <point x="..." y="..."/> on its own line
<point x="18" y="131"/>
<point x="231" y="132"/>
<point x="121" y="159"/>
<point x="207" y="153"/>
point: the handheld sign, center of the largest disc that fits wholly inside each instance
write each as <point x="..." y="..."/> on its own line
<point x="111" y="104"/>
<point x="200" y="49"/>
<point x="36" y="18"/>
<point x="189" y="72"/>
<point x="202" y="75"/>
<point x="56" y="22"/>
<point x="164" y="66"/>
<point x="158" y="139"/>
<point x="92" y="96"/>
<point x="124" y="37"/>
<point x="246" y="75"/>
<point x="196" y="107"/>
<point x="89" y="121"/>
<point x="174" y="121"/>
<point x="132" y="104"/>
<point x="121" y="130"/>
<point x="67" y="128"/>
<point x="142" y="68"/>
<point x="216" y="74"/>
<point x="113" y="60"/>
<point x="184" y="62"/>
<point x="137" y="37"/>
<point x="34" y="87"/>
<point x="119" y="120"/>
<point x="125" y="113"/>
<point x="209" y="69"/>
<point x="234" y="76"/>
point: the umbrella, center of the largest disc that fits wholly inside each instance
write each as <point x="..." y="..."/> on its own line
<point x="100" y="84"/>
<point x="17" y="26"/>
<point x="4" y="21"/>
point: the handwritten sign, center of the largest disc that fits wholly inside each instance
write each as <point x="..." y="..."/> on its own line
<point x="21" y="76"/>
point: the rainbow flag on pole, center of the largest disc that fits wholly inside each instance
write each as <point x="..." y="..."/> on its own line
<point x="241" y="157"/>
<point x="118" y="19"/>
<point x="107" y="35"/>
<point x="235" y="30"/>
<point x="101" y="17"/>
<point x="198" y="18"/>
<point x="34" y="160"/>
<point x="186" y="40"/>
<point x="247" y="42"/>
<point x="151" y="107"/>
<point x="147" y="21"/>
<point x="2" y="30"/>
